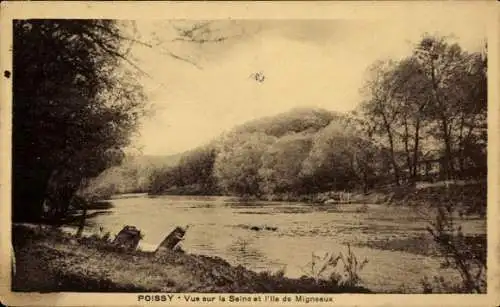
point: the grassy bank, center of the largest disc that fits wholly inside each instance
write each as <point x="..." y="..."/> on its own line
<point x="49" y="260"/>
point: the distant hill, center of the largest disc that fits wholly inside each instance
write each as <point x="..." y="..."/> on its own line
<point x="133" y="175"/>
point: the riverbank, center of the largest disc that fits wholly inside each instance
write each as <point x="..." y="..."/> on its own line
<point x="48" y="260"/>
<point x="470" y="195"/>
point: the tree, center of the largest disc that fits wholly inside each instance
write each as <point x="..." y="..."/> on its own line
<point x="239" y="160"/>
<point x="164" y="178"/>
<point x="75" y="107"/>
<point x="196" y="167"/>
<point x="458" y="90"/>
<point x="435" y="95"/>
<point x="281" y="163"/>
<point x="412" y="94"/>
<point x="381" y="110"/>
<point x="340" y="158"/>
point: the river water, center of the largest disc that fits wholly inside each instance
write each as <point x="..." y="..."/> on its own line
<point x="269" y="236"/>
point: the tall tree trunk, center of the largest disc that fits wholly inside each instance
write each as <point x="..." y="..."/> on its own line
<point x="83" y="217"/>
<point x="463" y="151"/>
<point x="407" y="147"/>
<point x="448" y="158"/>
<point x="461" y="142"/>
<point x="28" y="195"/>
<point x="365" y="180"/>
<point x="416" y="149"/>
<point x="391" y="146"/>
<point x="447" y="163"/>
<point x="64" y="197"/>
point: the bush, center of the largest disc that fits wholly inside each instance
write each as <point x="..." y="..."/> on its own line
<point x="465" y="254"/>
<point x="326" y="268"/>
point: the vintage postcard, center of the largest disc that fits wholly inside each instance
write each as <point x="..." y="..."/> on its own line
<point x="249" y="153"/>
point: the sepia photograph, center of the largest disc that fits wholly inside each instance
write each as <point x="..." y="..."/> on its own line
<point x="302" y="156"/>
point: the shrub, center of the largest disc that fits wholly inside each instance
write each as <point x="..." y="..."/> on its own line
<point x="352" y="267"/>
<point x="465" y="254"/>
<point x="326" y="268"/>
<point x="278" y="274"/>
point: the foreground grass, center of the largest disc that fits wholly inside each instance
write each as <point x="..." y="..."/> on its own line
<point x="50" y="261"/>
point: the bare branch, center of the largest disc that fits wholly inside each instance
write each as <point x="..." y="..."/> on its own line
<point x="183" y="32"/>
<point x="123" y="37"/>
<point x="114" y="53"/>
<point x="195" y="34"/>
<point x="178" y="57"/>
<point x="200" y="40"/>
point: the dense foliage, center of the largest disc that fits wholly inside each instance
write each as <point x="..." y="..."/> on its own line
<point x="423" y="118"/>
<point x="74" y="108"/>
<point x="430" y="106"/>
<point x="191" y="175"/>
<point x="275" y="155"/>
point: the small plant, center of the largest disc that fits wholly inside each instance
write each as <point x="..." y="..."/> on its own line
<point x="106" y="237"/>
<point x="439" y="285"/>
<point x="467" y="255"/>
<point x="319" y="267"/>
<point x="426" y="285"/>
<point x="352" y="267"/>
<point x="268" y="274"/>
<point x="100" y="237"/>
<point x="280" y="273"/>
<point x="403" y="289"/>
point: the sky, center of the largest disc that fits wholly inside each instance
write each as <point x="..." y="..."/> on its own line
<point x="306" y="63"/>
